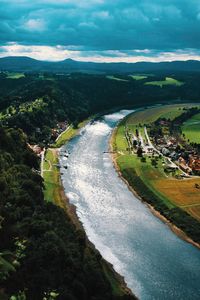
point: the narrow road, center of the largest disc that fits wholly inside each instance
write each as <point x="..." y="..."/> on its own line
<point x="63" y="132"/>
<point x="42" y="162"/>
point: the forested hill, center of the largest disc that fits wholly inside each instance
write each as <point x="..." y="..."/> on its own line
<point x="42" y="255"/>
<point x="27" y="64"/>
<point x="35" y="102"/>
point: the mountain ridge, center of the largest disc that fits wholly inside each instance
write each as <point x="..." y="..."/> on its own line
<point x="28" y="64"/>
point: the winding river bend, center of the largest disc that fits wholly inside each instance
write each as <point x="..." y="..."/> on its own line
<point x="155" y="263"/>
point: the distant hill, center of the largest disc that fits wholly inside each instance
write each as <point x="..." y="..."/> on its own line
<point x="27" y="64"/>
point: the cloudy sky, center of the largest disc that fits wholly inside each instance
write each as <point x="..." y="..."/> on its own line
<point x="101" y="30"/>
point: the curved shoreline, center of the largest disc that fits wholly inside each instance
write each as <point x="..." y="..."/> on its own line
<point x="180" y="233"/>
<point x="70" y="210"/>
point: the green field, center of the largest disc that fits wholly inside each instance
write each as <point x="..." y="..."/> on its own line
<point x="191" y="129"/>
<point x="51" y="176"/>
<point x="138" y="77"/>
<point x="167" y="81"/>
<point x="12" y="75"/>
<point x="116" y="78"/>
<point x="152" y="114"/>
<point x="68" y="134"/>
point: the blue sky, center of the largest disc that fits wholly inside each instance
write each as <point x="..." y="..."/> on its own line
<point x="101" y="30"/>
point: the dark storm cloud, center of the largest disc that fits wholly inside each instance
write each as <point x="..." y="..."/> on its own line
<point x="102" y="25"/>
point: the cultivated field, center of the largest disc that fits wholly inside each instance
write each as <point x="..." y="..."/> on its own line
<point x="181" y="193"/>
<point x="138" y="77"/>
<point x="167" y="81"/>
<point x="152" y="114"/>
<point x="116" y="78"/>
<point x="12" y="75"/>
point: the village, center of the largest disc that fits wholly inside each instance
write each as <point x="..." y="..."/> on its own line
<point x="55" y="133"/>
<point x="156" y="141"/>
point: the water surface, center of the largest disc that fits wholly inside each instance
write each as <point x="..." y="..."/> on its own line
<point x="156" y="264"/>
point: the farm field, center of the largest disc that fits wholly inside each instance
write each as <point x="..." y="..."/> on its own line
<point x="138" y="77"/>
<point x="116" y="78"/>
<point x="191" y="129"/>
<point x="167" y="81"/>
<point x="173" y="192"/>
<point x="182" y="193"/>
<point x="12" y="75"/>
<point x="152" y="114"/>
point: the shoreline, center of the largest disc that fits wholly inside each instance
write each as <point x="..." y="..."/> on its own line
<point x="72" y="214"/>
<point x="70" y="210"/>
<point x="179" y="232"/>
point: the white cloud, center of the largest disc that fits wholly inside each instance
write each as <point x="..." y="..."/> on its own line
<point x="35" y="25"/>
<point x="60" y="52"/>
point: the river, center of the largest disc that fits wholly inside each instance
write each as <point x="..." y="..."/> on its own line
<point x="155" y="263"/>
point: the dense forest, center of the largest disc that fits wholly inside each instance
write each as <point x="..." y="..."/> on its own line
<point x="42" y="254"/>
<point x="36" y="102"/>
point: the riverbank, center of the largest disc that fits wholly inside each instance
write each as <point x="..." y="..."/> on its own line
<point x="55" y="193"/>
<point x="130" y="179"/>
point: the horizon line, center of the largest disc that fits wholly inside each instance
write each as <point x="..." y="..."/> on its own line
<point x="100" y="62"/>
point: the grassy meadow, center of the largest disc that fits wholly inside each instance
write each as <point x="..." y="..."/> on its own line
<point x="13" y="75"/>
<point x="167" y="81"/>
<point x="116" y="78"/>
<point x="138" y="77"/>
<point x="51" y="176"/>
<point x="191" y="129"/>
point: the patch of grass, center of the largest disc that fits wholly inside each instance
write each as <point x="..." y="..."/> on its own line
<point x="191" y="129"/>
<point x="116" y="78"/>
<point x="69" y="133"/>
<point x="120" y="140"/>
<point x="51" y="176"/>
<point x="138" y="77"/>
<point x="12" y="75"/>
<point x="147" y="174"/>
<point x="167" y="81"/>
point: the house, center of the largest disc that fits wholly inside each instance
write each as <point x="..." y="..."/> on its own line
<point x="183" y="165"/>
<point x="164" y="123"/>
<point x="165" y="151"/>
<point x="194" y="163"/>
<point x="174" y="155"/>
<point x="36" y="149"/>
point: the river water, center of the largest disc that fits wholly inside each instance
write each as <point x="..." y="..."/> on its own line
<point x="155" y="263"/>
